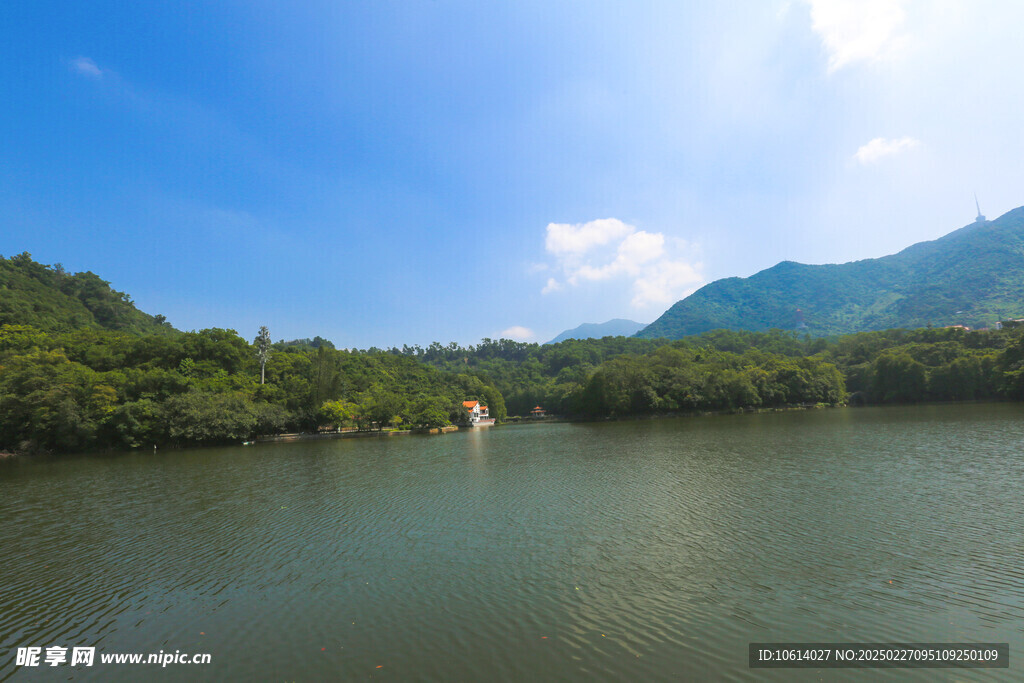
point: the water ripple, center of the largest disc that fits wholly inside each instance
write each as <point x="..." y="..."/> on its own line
<point x="652" y="550"/>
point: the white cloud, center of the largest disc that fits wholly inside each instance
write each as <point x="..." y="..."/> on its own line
<point x="86" y="67"/>
<point x="553" y="285"/>
<point x="564" y="238"/>
<point x="633" y="252"/>
<point x="858" y="30"/>
<point x="666" y="284"/>
<point x="609" y="249"/>
<point x="880" y="148"/>
<point x="517" y="333"/>
<point x="639" y="248"/>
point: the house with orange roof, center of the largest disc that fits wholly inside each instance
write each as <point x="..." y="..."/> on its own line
<point x="478" y="415"/>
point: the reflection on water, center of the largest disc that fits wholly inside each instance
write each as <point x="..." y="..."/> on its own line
<point x="652" y="550"/>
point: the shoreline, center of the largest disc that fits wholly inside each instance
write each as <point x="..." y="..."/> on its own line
<point x="747" y="411"/>
<point x="698" y="413"/>
<point x="352" y="434"/>
<point x="355" y="434"/>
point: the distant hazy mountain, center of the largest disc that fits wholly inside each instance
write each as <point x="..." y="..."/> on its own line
<point x="613" y="328"/>
<point x="973" y="276"/>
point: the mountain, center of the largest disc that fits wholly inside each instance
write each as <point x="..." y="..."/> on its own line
<point x="973" y="276"/>
<point x="613" y="328"/>
<point x="53" y="300"/>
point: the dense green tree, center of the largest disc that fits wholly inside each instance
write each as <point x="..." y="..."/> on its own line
<point x="337" y="413"/>
<point x="204" y="417"/>
<point x="1011" y="369"/>
<point x="50" y="403"/>
<point x="138" y="423"/>
<point x="430" y="411"/>
<point x="495" y="403"/>
<point x="382" y="406"/>
<point x="897" y="377"/>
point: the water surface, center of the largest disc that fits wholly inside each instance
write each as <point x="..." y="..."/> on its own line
<point x="652" y="550"/>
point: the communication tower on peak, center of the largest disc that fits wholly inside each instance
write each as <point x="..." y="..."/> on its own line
<point x="980" y="218"/>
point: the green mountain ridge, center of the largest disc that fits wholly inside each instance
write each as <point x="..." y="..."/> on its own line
<point x="53" y="300"/>
<point x="973" y="276"/>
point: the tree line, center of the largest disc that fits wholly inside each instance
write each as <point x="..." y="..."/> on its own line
<point x="81" y="368"/>
<point x="728" y="370"/>
<point x="96" y="388"/>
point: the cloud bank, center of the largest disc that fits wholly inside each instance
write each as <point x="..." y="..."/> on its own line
<point x="608" y="250"/>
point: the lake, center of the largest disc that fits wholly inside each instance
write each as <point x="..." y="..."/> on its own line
<point x="647" y="550"/>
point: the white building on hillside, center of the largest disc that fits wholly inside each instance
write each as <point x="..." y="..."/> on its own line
<point x="478" y="415"/>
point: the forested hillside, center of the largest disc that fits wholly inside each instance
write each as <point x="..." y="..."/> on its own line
<point x="97" y="388"/>
<point x="729" y="370"/>
<point x="81" y="367"/>
<point x="64" y="390"/>
<point x="973" y="276"/>
<point x="51" y="299"/>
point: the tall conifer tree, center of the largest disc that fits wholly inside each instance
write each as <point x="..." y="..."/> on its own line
<point x="262" y="342"/>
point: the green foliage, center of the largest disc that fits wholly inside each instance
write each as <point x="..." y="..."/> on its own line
<point x="22" y="338"/>
<point x="430" y="411"/>
<point x="1011" y="370"/>
<point x="382" y="406"/>
<point x="495" y="403"/>
<point x="900" y="366"/>
<point x="682" y="380"/>
<point x="522" y="374"/>
<point x="898" y="378"/>
<point x="205" y="417"/>
<point x="137" y="423"/>
<point x="48" y="402"/>
<point x="53" y="300"/>
<point x="733" y="369"/>
<point x="337" y="413"/>
<point x="76" y="388"/>
<point x="90" y="388"/>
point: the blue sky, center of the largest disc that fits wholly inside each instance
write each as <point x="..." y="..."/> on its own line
<point x="381" y="173"/>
